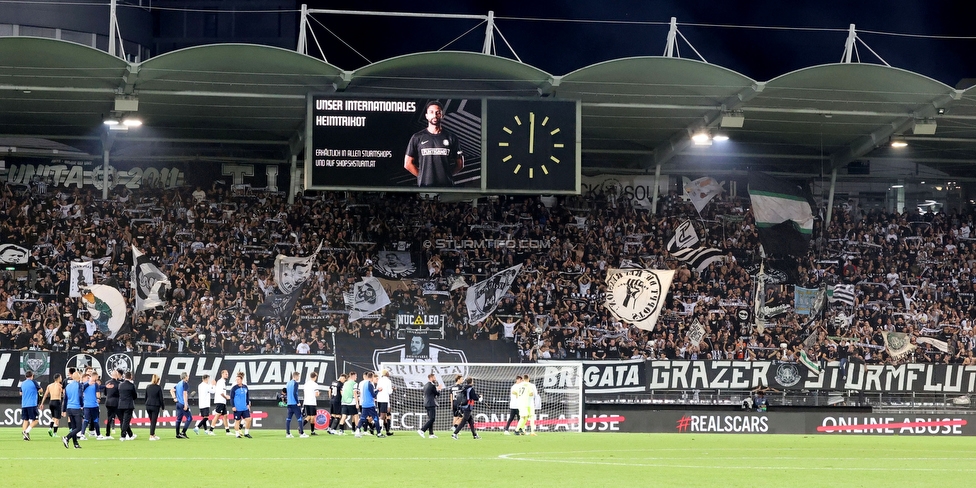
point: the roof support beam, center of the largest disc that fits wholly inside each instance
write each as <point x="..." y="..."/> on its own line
<point x="864" y="145"/>
<point x="681" y="140"/>
<point x="129" y="79"/>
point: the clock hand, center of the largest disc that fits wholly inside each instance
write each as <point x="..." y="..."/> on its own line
<point x="531" y="131"/>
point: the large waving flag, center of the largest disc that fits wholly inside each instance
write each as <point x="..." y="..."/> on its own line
<point x="394" y="265"/>
<point x="701" y="191"/>
<point x="841" y="294"/>
<point x="368" y="297"/>
<point x="783" y="212"/>
<point x="636" y="296"/>
<point x="292" y="273"/>
<point x="107" y="308"/>
<point x="149" y="282"/>
<point x="681" y="248"/>
<point x="279" y="306"/>
<point x="482" y="298"/>
<point x="684" y="237"/>
<point x="898" y="344"/>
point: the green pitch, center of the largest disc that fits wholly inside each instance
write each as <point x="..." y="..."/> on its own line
<point x="405" y="460"/>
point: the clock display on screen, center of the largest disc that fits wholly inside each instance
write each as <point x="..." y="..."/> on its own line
<point x="532" y="145"/>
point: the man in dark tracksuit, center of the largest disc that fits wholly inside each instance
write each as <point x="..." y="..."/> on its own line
<point x="127" y="403"/>
<point x="467" y="409"/>
<point x="112" y="402"/>
<point x="431" y="391"/>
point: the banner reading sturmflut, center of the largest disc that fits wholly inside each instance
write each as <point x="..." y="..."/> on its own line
<point x="636" y="296"/>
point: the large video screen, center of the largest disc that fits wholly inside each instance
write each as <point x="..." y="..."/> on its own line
<point x="435" y="145"/>
<point x="422" y="144"/>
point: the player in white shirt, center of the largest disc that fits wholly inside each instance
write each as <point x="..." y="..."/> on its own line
<point x="527" y="395"/>
<point x="220" y="404"/>
<point x="384" y="387"/>
<point x="310" y="393"/>
<point x="513" y="404"/>
<point x="204" y="395"/>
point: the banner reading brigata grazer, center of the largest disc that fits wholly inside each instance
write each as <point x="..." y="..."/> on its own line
<point x="375" y="143"/>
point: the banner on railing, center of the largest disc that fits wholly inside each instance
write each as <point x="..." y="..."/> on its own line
<point x="836" y="421"/>
<point x="871" y="378"/>
<point x="264" y="374"/>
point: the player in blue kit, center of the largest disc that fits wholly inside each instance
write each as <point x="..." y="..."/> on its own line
<point x="90" y="397"/>
<point x="291" y="399"/>
<point x="72" y="401"/>
<point x="181" y="395"/>
<point x="241" y="400"/>
<point x="367" y="395"/>
<point x="28" y="403"/>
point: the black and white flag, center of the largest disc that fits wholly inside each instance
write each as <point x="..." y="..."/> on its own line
<point x="148" y="281"/>
<point x="394" y="265"/>
<point x="684" y="237"/>
<point x="699" y="257"/>
<point x="291" y="273"/>
<point x="898" y="344"/>
<point x="279" y="306"/>
<point x="681" y="247"/>
<point x="368" y="297"/>
<point x="842" y="294"/>
<point x="14" y="256"/>
<point x="482" y="297"/>
<point x="636" y="296"/>
<point x="696" y="333"/>
<point x="82" y="274"/>
<point x="455" y="282"/>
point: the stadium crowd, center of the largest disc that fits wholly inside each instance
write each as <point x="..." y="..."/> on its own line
<point x="913" y="273"/>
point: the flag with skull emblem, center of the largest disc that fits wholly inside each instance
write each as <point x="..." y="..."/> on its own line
<point x="291" y="273"/>
<point x="482" y="298"/>
<point x="368" y="297"/>
<point x="149" y="282"/>
<point x="636" y="296"/>
<point x="279" y="306"/>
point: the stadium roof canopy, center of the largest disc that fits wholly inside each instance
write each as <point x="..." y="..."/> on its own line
<point x="232" y="102"/>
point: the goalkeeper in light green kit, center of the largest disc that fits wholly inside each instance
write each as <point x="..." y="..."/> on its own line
<point x="528" y="397"/>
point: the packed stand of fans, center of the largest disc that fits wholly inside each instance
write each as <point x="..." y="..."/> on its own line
<point x="914" y="273"/>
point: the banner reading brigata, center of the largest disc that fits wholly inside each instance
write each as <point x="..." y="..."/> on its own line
<point x="366" y="352"/>
<point x="394" y="143"/>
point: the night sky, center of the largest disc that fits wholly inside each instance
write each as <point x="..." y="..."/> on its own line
<point x="762" y="54"/>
